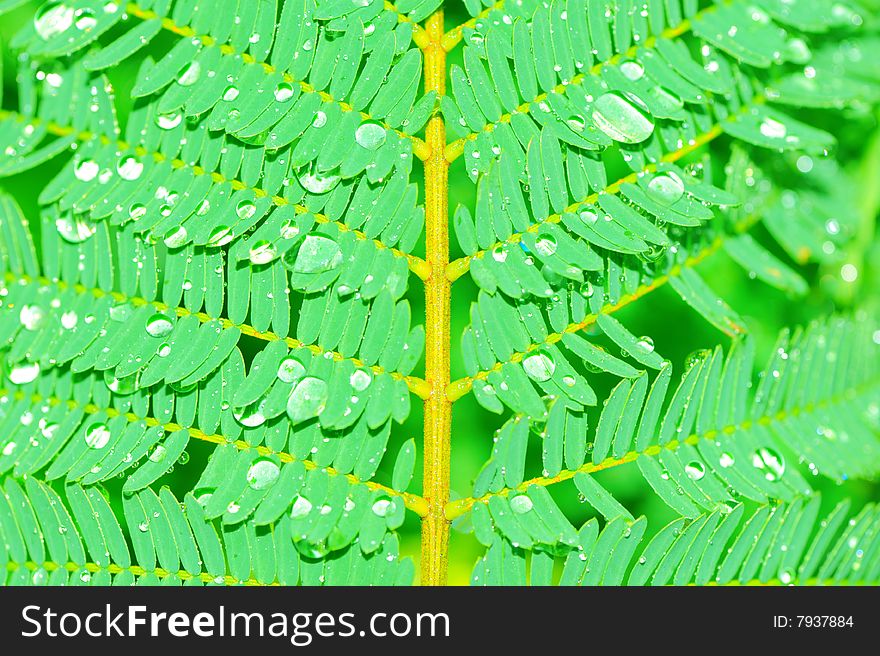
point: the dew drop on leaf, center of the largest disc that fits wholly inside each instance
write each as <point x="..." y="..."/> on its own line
<point x="52" y="19"/>
<point x="245" y="209"/>
<point x="86" y="170"/>
<point x="85" y="20"/>
<point x="539" y="366"/>
<point x="175" y="237"/>
<point x="360" y="380"/>
<point x="263" y="473"/>
<point x="666" y="188"/>
<point x="129" y="168"/>
<point x="220" y="236"/>
<point x="317" y="254"/>
<point x="307" y="400"/>
<point x="301" y="507"/>
<point x="382" y="507"/>
<point x="370" y="135"/>
<point x="317" y="183"/>
<point x="24" y="373"/>
<point x="632" y="70"/>
<point x="772" y="129"/>
<point x="521" y="504"/>
<point x="290" y="370"/>
<point x="695" y="470"/>
<point x="189" y="74"/>
<point x="168" y="121"/>
<point x="769" y="462"/>
<point x="545" y="244"/>
<point x="31" y="316"/>
<point x="262" y="252"/>
<point x="97" y="435"/>
<point x="283" y="92"/>
<point x="159" y="325"/>
<point x="624" y="118"/>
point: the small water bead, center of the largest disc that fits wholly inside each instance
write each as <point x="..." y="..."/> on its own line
<point x="54" y="80"/>
<point x="521" y="504"/>
<point x="120" y="386"/>
<point x="31" y="317"/>
<point x="137" y="211"/>
<point x="539" y="366"/>
<point x="220" y="236"/>
<point x="52" y="19"/>
<point x="164" y="350"/>
<point x="86" y="170"/>
<point x="695" y="470"/>
<point x="587" y="290"/>
<point x="168" y="121"/>
<point x="360" y="380"/>
<point x="499" y="254"/>
<point x="245" y="209"/>
<point x="159" y="325"/>
<point x="250" y="416"/>
<point x="773" y="129"/>
<point x="769" y="462"/>
<point x="69" y="320"/>
<point x="317" y="254"/>
<point x="283" y="92"/>
<point x="545" y="244"/>
<point x="9" y="448"/>
<point x="158" y="454"/>
<point x="189" y="74"/>
<point x="175" y="237"/>
<point x="120" y="313"/>
<point x="289" y="229"/>
<point x="308" y="399"/>
<point x="129" y="168"/>
<point x="24" y="373"/>
<point x="382" y="507"/>
<point x="726" y="460"/>
<point x="301" y="507"/>
<point x="262" y="252"/>
<point x="317" y="183"/>
<point x="623" y="117"/>
<point x="589" y="217"/>
<point x="645" y="344"/>
<point x="85" y="20"/>
<point x="204" y="208"/>
<point x="370" y="135"/>
<point x="263" y="473"/>
<point x="290" y="370"/>
<point x="666" y="188"/>
<point x="577" y="123"/>
<point x="632" y="70"/>
<point x="230" y="93"/>
<point x="97" y="435"/>
<point x="320" y="119"/>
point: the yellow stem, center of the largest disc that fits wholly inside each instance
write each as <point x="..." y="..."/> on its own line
<point x="438" y="410"/>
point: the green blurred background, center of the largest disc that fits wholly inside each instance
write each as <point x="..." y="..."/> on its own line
<point x="675" y="328"/>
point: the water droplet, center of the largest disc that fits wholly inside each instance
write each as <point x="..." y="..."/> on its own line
<point x="52" y="19"/>
<point x="85" y="20"/>
<point x="315" y="182"/>
<point x="86" y="170"/>
<point x="726" y="460"/>
<point x="623" y="118"/>
<point x="632" y="70"/>
<point x="69" y="320"/>
<point x="307" y="399"/>
<point x="283" y="92"/>
<point x="290" y="370"/>
<point x="168" y="121"/>
<point x="521" y="504"/>
<point x="381" y="507"/>
<point x="545" y="244"/>
<point x="220" y="236"/>
<point x="230" y="93"/>
<point x="175" y="237"/>
<point x="262" y="252"/>
<point x="129" y="168"/>
<point x="666" y="188"/>
<point x="9" y="448"/>
<point x="317" y="254"/>
<point x="189" y="74"/>
<point x="158" y="454"/>
<point x="289" y="229"/>
<point x="97" y="435"/>
<point x="770" y="462"/>
<point x="370" y="135"/>
<point x="301" y="507"/>
<point x="360" y="380"/>
<point x="539" y="366"/>
<point x="645" y="344"/>
<point x="320" y="119"/>
<point x="695" y="470"/>
<point x="245" y="209"/>
<point x="250" y="416"/>
<point x="120" y="386"/>
<point x="263" y="473"/>
<point x="24" y="373"/>
<point x="31" y="316"/>
<point x="773" y="129"/>
<point x="159" y="325"/>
